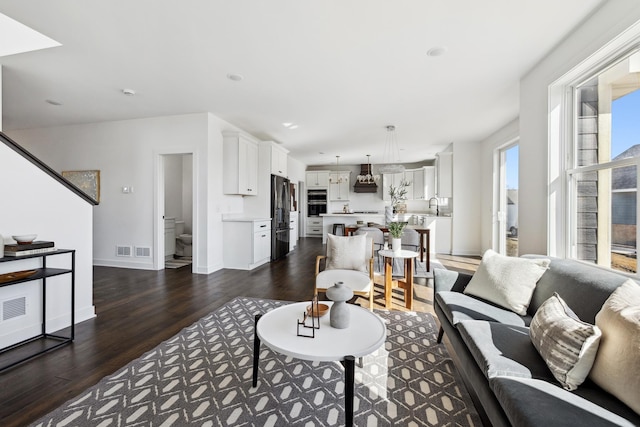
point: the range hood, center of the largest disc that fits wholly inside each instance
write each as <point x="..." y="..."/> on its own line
<point x="362" y="187"/>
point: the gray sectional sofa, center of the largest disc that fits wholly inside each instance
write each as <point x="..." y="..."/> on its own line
<point x="509" y="381"/>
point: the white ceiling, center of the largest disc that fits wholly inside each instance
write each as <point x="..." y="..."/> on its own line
<point x="339" y="69"/>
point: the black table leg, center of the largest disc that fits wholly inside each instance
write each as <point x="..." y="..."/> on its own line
<point x="349" y="377"/>
<point x="256" y="350"/>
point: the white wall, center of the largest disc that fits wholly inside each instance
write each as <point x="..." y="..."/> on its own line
<point x="467" y="193"/>
<point x="173" y="176"/>
<point x="127" y="153"/>
<point x="609" y="21"/>
<point x="34" y="203"/>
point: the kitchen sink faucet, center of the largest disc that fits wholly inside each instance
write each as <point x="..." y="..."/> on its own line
<point x="437" y="209"/>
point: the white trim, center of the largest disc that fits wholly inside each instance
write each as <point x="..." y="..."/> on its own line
<point x="562" y="124"/>
<point x="158" y="205"/>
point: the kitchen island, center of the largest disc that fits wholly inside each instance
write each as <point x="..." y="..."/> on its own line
<point x="348" y="219"/>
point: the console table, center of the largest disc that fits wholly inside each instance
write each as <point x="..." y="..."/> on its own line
<point x="43" y="342"/>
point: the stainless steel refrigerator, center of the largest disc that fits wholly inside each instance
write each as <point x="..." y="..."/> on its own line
<point x="280" y="224"/>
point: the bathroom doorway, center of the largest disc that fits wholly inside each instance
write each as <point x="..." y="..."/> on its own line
<point x="175" y="211"/>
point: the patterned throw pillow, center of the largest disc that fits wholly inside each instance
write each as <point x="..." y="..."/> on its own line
<point x="617" y="365"/>
<point x="506" y="281"/>
<point x="567" y="344"/>
<point x="346" y="252"/>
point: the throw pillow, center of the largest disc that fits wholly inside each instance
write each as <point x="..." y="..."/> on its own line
<point x="567" y="345"/>
<point x="506" y="281"/>
<point x="617" y="365"/>
<point x="346" y="252"/>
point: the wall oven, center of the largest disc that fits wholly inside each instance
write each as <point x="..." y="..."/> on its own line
<point x="316" y="202"/>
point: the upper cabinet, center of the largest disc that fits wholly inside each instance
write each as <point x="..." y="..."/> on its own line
<point x="339" y="186"/>
<point x="444" y="168"/>
<point x="389" y="179"/>
<point x="240" y="165"/>
<point x="317" y="179"/>
<point x="279" y="159"/>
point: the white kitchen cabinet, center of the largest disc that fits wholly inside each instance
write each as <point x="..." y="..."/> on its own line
<point x="389" y="179"/>
<point x="339" y="186"/>
<point x="293" y="230"/>
<point x="317" y="180"/>
<point x="240" y="165"/>
<point x="261" y="243"/>
<point x="416" y="180"/>
<point x="247" y="243"/>
<point x="444" y="170"/>
<point x="429" y="182"/>
<point x="279" y="161"/>
<point x="314" y="226"/>
<point x="443" y="235"/>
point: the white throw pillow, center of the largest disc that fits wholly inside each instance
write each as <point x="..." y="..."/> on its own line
<point x="506" y="281"/>
<point x="617" y="365"/>
<point x="346" y="252"/>
<point x="567" y="344"/>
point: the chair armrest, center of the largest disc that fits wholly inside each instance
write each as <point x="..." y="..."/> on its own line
<point x="318" y="259"/>
<point x="446" y="280"/>
<point x="371" y="270"/>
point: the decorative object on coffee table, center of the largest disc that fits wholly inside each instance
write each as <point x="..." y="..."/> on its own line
<point x="339" y="313"/>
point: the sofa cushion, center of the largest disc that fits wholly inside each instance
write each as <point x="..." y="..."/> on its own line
<point x="617" y="365"/>
<point x="500" y="349"/>
<point x="457" y="307"/>
<point x="567" y="345"/>
<point x="506" y="281"/>
<point x="532" y="403"/>
<point x="584" y="287"/>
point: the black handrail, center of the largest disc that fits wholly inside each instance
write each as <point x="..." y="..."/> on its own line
<point x="46" y="169"/>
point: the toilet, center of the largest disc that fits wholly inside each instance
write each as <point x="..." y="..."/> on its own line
<point x="183" y="241"/>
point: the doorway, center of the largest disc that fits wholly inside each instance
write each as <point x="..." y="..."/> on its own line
<point x="176" y="225"/>
<point x="506" y="226"/>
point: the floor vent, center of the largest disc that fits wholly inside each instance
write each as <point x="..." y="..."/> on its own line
<point x="123" y="250"/>
<point x="143" y="251"/>
<point x="14" y="308"/>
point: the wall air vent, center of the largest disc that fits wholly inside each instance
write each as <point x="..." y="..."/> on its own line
<point x="143" y="251"/>
<point x="123" y="250"/>
<point x="14" y="308"/>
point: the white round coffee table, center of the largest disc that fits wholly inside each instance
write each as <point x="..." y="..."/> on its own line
<point x="406" y="282"/>
<point x="277" y="329"/>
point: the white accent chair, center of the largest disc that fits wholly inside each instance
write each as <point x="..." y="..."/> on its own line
<point x="349" y="259"/>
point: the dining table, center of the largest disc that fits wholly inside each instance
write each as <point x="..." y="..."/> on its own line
<point x="424" y="233"/>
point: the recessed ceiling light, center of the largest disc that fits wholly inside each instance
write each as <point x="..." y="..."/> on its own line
<point x="129" y="92"/>
<point x="52" y="102"/>
<point x="293" y="127"/>
<point x="437" y="51"/>
<point x="235" y="77"/>
<point x="290" y="125"/>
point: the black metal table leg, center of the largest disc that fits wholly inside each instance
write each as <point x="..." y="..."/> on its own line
<point x="349" y="377"/>
<point x="256" y="350"/>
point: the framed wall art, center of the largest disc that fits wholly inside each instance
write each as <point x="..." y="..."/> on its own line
<point x="87" y="181"/>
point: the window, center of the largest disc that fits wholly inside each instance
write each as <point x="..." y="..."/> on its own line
<point x="605" y="153"/>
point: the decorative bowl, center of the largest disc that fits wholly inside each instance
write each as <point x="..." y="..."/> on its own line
<point x="322" y="310"/>
<point x="25" y="239"/>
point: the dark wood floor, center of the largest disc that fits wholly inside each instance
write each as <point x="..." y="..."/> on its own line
<point x="137" y="310"/>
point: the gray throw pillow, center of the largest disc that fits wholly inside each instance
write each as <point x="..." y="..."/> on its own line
<point x="567" y="344"/>
<point x="346" y="252"/>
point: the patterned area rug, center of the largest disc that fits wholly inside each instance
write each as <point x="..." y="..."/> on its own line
<point x="202" y="376"/>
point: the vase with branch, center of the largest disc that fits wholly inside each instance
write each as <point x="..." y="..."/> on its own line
<point x="398" y="194"/>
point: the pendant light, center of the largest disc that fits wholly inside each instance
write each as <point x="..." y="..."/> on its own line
<point x="391" y="157"/>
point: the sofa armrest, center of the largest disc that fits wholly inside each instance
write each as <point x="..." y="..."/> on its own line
<point x="446" y="280"/>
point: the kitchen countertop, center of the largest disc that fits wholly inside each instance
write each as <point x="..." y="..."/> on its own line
<point x="245" y="219"/>
<point x="352" y="214"/>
